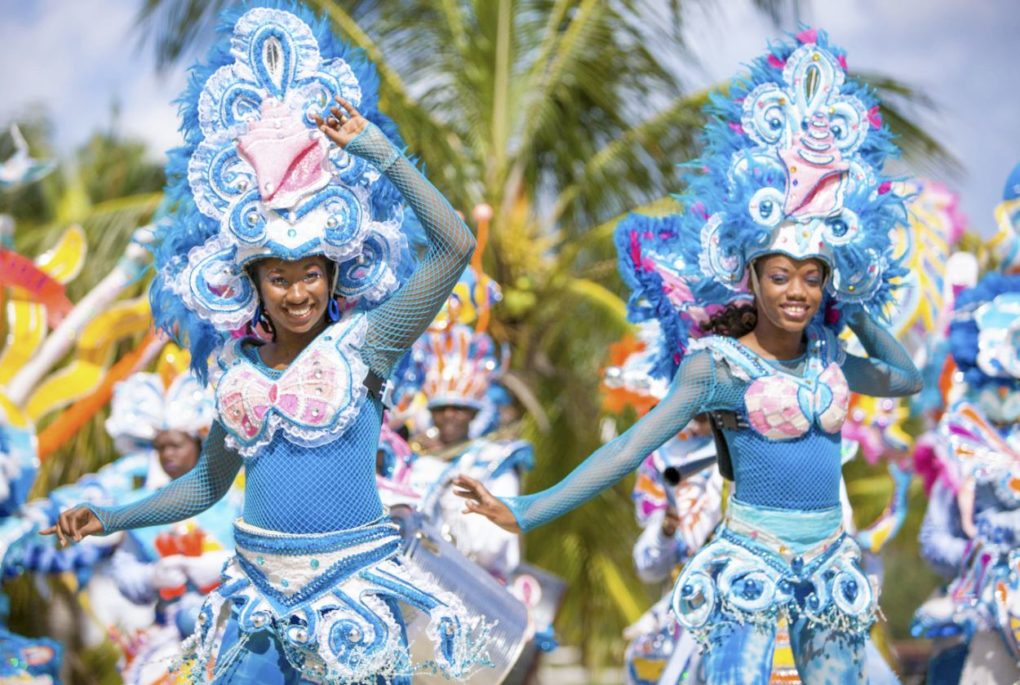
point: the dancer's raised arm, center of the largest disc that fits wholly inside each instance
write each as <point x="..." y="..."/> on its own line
<point x="887" y="371"/>
<point x="397" y="323"/>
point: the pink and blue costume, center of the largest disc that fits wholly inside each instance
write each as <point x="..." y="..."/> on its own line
<point x="314" y="590"/>
<point x="792" y="166"/>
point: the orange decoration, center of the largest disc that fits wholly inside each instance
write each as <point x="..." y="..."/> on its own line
<point x="616" y="400"/>
<point x="75" y="416"/>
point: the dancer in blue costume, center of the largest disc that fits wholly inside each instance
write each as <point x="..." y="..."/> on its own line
<point x="975" y="538"/>
<point x="787" y="204"/>
<point x="272" y="224"/>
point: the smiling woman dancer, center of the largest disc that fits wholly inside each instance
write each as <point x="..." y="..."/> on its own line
<point x="789" y="204"/>
<point x="273" y="227"/>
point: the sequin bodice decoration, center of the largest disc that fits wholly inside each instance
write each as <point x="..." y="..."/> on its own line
<point x="312" y="402"/>
<point x="784" y="406"/>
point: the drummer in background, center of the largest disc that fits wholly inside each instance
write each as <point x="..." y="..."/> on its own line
<point x="678" y="504"/>
<point x="460" y="366"/>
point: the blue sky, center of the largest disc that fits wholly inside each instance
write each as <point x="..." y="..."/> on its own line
<point x="75" y="58"/>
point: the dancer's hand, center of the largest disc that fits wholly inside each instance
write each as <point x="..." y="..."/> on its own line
<point x="481" y="501"/>
<point x="344" y="125"/>
<point x="73" y="525"/>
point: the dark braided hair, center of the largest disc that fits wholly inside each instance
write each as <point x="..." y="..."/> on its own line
<point x="735" y="320"/>
<point x="738" y="319"/>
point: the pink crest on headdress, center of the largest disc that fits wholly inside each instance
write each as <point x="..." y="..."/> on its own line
<point x="808" y="36"/>
<point x="288" y="157"/>
<point x="815" y="168"/>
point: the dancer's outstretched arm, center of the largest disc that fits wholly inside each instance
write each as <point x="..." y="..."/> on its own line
<point x="690" y="393"/>
<point x="888" y="370"/>
<point x="398" y="322"/>
<point x="188" y="496"/>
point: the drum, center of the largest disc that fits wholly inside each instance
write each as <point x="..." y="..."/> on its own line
<point x="483" y="596"/>
<point x="542" y="593"/>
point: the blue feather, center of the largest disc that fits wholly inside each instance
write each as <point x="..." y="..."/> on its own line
<point x="963" y="331"/>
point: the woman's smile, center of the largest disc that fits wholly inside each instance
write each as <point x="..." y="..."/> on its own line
<point x="795" y="311"/>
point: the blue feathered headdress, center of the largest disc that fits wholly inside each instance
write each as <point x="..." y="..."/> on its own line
<point x="255" y="178"/>
<point x="984" y="335"/>
<point x="792" y="164"/>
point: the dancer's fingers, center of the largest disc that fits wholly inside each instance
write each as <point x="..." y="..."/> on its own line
<point x="53" y="530"/>
<point x="74" y="523"/>
<point x="347" y="106"/>
<point x="469" y="488"/>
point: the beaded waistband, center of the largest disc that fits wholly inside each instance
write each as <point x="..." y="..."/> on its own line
<point x="253" y="538"/>
<point x="292" y="568"/>
<point x="788" y="534"/>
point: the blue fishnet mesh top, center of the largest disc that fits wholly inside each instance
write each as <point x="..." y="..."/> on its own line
<point x="295" y="489"/>
<point x="801" y="474"/>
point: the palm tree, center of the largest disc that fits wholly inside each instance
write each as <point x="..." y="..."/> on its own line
<point x="563" y="115"/>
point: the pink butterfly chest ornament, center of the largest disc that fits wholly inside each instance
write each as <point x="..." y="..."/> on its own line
<point x="780" y="405"/>
<point x="312" y="402"/>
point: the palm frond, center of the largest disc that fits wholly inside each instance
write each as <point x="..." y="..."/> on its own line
<point x="902" y="108"/>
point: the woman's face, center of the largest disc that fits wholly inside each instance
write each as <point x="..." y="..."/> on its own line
<point x="294" y="294"/>
<point x="178" y="452"/>
<point x="790" y="290"/>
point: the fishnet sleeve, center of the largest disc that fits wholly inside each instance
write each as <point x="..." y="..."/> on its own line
<point x="888" y="370"/>
<point x="690" y="393"/>
<point x="188" y="496"/>
<point x="398" y="322"/>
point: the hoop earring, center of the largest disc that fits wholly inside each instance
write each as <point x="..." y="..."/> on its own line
<point x="333" y="310"/>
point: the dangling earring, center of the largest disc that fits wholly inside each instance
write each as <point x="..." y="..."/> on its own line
<point x="257" y="319"/>
<point x="333" y="310"/>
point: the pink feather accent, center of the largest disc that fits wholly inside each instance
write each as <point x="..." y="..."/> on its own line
<point x="875" y="117"/>
<point x="808" y="36"/>
<point x="926" y="461"/>
<point x="635" y="248"/>
<point x="776" y="62"/>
